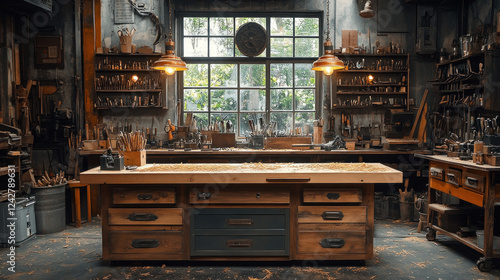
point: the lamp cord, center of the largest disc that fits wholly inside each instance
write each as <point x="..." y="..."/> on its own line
<point x="170" y="19"/>
<point x="328" y="20"/>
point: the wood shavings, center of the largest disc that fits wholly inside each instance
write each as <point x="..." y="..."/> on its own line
<point x="274" y="167"/>
<point x="421" y="264"/>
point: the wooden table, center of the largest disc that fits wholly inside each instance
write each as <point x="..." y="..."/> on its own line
<point x="475" y="184"/>
<point x="250" y="211"/>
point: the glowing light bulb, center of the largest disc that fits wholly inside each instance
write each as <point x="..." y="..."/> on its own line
<point x="328" y="71"/>
<point x="135" y="78"/>
<point x="370" y="78"/>
<point x="170" y="70"/>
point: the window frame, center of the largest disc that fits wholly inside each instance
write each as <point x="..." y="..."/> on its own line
<point x="267" y="60"/>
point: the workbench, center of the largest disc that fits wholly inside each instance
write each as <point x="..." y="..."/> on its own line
<point x="249" y="211"/>
<point x="478" y="185"/>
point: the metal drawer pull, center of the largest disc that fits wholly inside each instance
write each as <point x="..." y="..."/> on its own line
<point x="333" y="196"/>
<point x="333" y="215"/>
<point x="332" y="243"/>
<point x="473" y="182"/>
<point x="142" y="217"/>
<point x="436" y="172"/>
<point x="144" y="196"/>
<point x="204" y="196"/>
<point x="452" y="179"/>
<point x="241" y="243"/>
<point x="288" y="180"/>
<point x="239" y="222"/>
<point x="145" y="243"/>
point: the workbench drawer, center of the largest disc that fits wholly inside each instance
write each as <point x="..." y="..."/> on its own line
<point x="331" y="214"/>
<point x="453" y="176"/>
<point x="240" y="195"/>
<point x="473" y="181"/>
<point x="320" y="242"/>
<point x="146" y="242"/>
<point x="436" y="172"/>
<point x="240" y="218"/>
<point x="240" y="245"/>
<point x="144" y="216"/>
<point x="333" y="195"/>
<point x="143" y="195"/>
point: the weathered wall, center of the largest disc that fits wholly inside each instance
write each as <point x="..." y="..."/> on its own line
<point x="6" y="67"/>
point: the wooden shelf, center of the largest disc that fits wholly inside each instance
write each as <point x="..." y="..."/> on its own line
<point x="5" y="170"/>
<point x="369" y="107"/>
<point x="128" y="90"/>
<point x="368" y="93"/>
<point x="469" y="241"/>
<point x="372" y="71"/>
<point x="461" y="89"/>
<point x="130" y="107"/>
<point x="461" y="60"/>
<point x="128" y="54"/>
<point x="374" y="85"/>
<point x="373" y="55"/>
<point x="126" y="70"/>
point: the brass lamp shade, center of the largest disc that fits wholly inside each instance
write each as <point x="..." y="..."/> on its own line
<point x="170" y="63"/>
<point x="328" y="62"/>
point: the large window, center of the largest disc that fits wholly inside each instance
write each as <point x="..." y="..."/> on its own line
<point x="277" y="85"/>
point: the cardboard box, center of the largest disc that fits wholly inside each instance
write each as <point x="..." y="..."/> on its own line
<point x="137" y="158"/>
<point x="351" y="146"/>
<point x="349" y="39"/>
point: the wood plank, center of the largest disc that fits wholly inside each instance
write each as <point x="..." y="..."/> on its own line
<point x="461" y="193"/>
<point x="422" y="126"/>
<point x="147" y="195"/>
<point x="419" y="113"/>
<point x="451" y="209"/>
<point x="331" y="214"/>
<point x="145" y="216"/>
<point x="88" y="43"/>
<point x="332" y="195"/>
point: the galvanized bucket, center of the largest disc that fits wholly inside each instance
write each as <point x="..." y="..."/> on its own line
<point x="50" y="208"/>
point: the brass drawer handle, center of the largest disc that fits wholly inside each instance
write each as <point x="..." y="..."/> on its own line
<point x="333" y="196"/>
<point x="288" y="180"/>
<point x="332" y="243"/>
<point x="473" y="182"/>
<point x="333" y="215"/>
<point x="145" y="243"/>
<point x="204" y="196"/>
<point x="144" y="196"/>
<point x="239" y="222"/>
<point x="239" y="243"/>
<point x="142" y="217"/>
<point x="436" y="172"/>
<point x="452" y="179"/>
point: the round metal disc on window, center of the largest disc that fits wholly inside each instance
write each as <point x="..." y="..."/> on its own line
<point x="251" y="39"/>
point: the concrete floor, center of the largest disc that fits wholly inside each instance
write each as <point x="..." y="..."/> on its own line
<point x="400" y="253"/>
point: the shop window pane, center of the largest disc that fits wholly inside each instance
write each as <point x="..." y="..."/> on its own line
<point x="195" y="100"/>
<point x="197" y="76"/>
<point x="281" y="75"/>
<point x="304" y="76"/>
<point x="195" y="26"/>
<point x="223" y="100"/>
<point x="304" y="120"/>
<point x="281" y="26"/>
<point x="221" y="26"/>
<point x="201" y="120"/>
<point x="281" y="47"/>
<point x="223" y="75"/>
<point x="281" y="99"/>
<point x="219" y="117"/>
<point x="252" y="100"/>
<point x="240" y="21"/>
<point x="221" y="47"/>
<point x="306" y="47"/>
<point x="252" y="75"/>
<point x="244" y="117"/>
<point x="306" y="27"/>
<point x="195" y="47"/>
<point x="304" y="99"/>
<point x="284" y="121"/>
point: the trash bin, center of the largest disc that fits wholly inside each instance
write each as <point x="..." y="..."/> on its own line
<point x="50" y="208"/>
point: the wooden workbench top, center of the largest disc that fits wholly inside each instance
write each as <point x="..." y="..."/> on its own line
<point x="457" y="161"/>
<point x="246" y="173"/>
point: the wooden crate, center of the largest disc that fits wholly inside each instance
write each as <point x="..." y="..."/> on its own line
<point x="137" y="158"/>
<point x="223" y="140"/>
<point x="285" y="142"/>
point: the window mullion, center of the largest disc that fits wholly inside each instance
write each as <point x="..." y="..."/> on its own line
<point x="268" y="91"/>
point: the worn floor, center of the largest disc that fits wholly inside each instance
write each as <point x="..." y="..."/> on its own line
<point x="400" y="253"/>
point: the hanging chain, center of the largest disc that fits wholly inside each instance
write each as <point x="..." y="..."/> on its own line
<point x="170" y="19"/>
<point x="328" y="20"/>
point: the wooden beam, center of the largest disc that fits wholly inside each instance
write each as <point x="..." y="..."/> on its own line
<point x="88" y="47"/>
<point x="419" y="113"/>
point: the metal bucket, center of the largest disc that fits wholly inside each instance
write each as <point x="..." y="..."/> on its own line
<point x="394" y="212"/>
<point x="406" y="208"/>
<point x="381" y="206"/>
<point x="50" y="208"/>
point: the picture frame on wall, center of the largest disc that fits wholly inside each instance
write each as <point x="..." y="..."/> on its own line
<point x="49" y="52"/>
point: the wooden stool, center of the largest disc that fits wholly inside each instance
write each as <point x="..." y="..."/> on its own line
<point x="76" y="212"/>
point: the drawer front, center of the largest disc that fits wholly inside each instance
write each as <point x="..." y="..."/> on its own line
<point x="145" y="242"/>
<point x="240" y="245"/>
<point x="311" y="242"/>
<point x="437" y="173"/>
<point x="145" y="216"/>
<point x="473" y="181"/>
<point x="333" y="195"/>
<point x="141" y="195"/>
<point x="453" y="177"/>
<point x="237" y="219"/>
<point x="331" y="214"/>
<point x="240" y="196"/>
